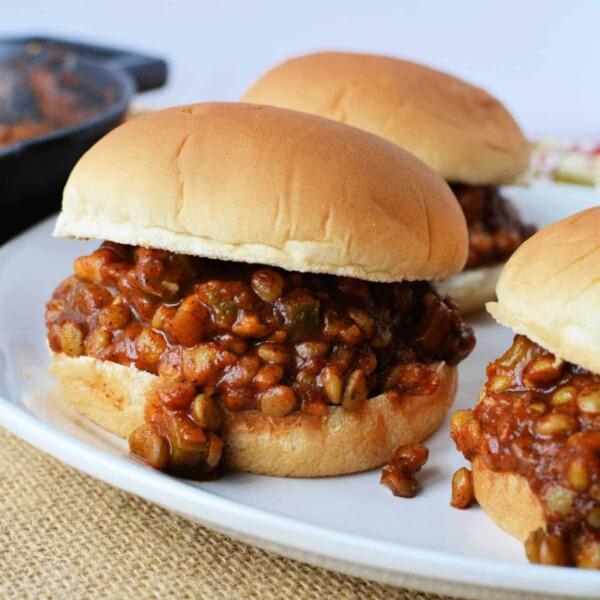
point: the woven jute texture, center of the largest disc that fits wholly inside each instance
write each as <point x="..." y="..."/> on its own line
<point x="66" y="535"/>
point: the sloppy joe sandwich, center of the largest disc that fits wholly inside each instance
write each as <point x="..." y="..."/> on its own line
<point x="460" y="131"/>
<point x="534" y="435"/>
<point x="262" y="299"/>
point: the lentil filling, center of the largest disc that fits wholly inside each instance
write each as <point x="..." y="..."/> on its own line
<point x="228" y="337"/>
<point x="539" y="417"/>
<point x="399" y="475"/>
<point x="496" y="229"/>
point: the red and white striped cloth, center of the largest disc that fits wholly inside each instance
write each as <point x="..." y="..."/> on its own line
<point x="567" y="162"/>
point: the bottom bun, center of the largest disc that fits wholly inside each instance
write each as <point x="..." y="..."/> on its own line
<point x="113" y="396"/>
<point x="471" y="289"/>
<point x="507" y="498"/>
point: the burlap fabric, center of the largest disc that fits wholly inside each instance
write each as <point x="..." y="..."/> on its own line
<point x="65" y="535"/>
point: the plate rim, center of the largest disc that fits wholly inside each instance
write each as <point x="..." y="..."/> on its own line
<point x="379" y="557"/>
<point x="336" y="550"/>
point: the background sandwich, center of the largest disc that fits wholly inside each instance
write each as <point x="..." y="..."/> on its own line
<point x="263" y="294"/>
<point x="459" y="130"/>
<point x="534" y="435"/>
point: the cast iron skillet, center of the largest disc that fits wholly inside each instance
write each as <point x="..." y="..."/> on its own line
<point x="33" y="171"/>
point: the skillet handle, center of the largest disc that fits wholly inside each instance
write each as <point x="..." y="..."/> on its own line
<point x="147" y="72"/>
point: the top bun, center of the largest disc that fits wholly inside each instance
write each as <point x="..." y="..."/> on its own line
<point x="550" y="290"/>
<point x="459" y="130"/>
<point x="265" y="185"/>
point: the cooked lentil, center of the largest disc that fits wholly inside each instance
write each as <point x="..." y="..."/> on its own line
<point x="462" y="489"/>
<point x="399" y="474"/>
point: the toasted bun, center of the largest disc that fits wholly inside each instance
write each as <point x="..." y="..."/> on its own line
<point x="507" y="498"/>
<point x="550" y="289"/>
<point x="114" y="396"/>
<point x="459" y="130"/>
<point x="266" y="185"/>
<point x="472" y="288"/>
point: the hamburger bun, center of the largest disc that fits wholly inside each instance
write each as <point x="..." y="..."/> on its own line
<point x="299" y="445"/>
<point x="471" y="289"/>
<point x="550" y="290"/>
<point x="507" y="498"/>
<point x="271" y="186"/>
<point x="459" y="130"/>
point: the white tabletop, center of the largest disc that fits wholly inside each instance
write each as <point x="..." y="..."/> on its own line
<point x="542" y="58"/>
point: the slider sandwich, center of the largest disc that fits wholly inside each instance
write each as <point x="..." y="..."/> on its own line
<point x="464" y="134"/>
<point x="262" y="299"/>
<point x="534" y="436"/>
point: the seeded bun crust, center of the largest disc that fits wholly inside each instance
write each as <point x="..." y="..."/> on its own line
<point x="113" y="396"/>
<point x="550" y="290"/>
<point x="507" y="498"/>
<point x="266" y="185"/>
<point x="459" y="130"/>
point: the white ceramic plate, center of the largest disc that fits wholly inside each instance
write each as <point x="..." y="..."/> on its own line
<point x="350" y="523"/>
